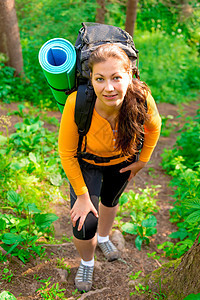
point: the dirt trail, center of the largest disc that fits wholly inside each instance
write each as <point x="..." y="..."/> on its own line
<point x="111" y="280"/>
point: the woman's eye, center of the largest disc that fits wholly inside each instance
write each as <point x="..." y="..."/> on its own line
<point x="117" y="78"/>
<point x="99" y="79"/>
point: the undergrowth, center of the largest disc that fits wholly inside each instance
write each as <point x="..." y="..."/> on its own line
<point x="135" y="214"/>
<point x="30" y="174"/>
<point x="182" y="163"/>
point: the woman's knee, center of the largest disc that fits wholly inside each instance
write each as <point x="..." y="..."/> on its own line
<point x="89" y="228"/>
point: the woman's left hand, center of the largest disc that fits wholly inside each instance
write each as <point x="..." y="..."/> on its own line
<point x="134" y="168"/>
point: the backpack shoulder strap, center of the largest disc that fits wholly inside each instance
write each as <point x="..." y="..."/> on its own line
<point x="85" y="101"/>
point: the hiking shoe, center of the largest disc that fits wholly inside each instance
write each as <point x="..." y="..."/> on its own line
<point x="83" y="279"/>
<point x="109" y="250"/>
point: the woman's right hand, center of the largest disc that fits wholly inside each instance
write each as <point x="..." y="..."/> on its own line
<point x="81" y="209"/>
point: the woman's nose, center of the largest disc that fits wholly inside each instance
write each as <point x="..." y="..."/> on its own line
<point x="109" y="86"/>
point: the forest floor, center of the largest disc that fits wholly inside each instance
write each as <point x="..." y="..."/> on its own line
<point x="111" y="279"/>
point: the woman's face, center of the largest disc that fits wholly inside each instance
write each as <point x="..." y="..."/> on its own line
<point x="110" y="81"/>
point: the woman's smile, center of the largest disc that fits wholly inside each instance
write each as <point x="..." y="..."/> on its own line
<point x="110" y="97"/>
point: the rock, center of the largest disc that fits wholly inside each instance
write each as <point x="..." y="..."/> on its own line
<point x="63" y="274"/>
<point x="132" y="283"/>
<point x="118" y="239"/>
<point x="98" y="265"/>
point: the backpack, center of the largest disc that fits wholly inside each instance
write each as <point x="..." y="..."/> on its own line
<point x="90" y="36"/>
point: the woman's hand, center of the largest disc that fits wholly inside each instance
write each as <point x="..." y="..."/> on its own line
<point x="134" y="168"/>
<point x="81" y="209"/>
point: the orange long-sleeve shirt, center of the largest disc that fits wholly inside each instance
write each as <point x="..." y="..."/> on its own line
<point x="100" y="140"/>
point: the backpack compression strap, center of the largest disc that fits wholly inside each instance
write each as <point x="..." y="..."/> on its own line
<point x="66" y="91"/>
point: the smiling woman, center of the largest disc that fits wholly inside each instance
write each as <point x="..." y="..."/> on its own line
<point x="110" y="86"/>
<point x="124" y="109"/>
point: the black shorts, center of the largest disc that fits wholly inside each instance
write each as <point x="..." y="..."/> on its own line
<point x="104" y="183"/>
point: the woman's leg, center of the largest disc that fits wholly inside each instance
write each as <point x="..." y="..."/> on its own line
<point x="85" y="240"/>
<point x="86" y="248"/>
<point x="113" y="185"/>
<point x="84" y="275"/>
<point x="106" y="219"/>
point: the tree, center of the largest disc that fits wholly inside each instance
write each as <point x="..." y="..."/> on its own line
<point x="131" y="13"/>
<point x="9" y="35"/>
<point x="177" y="279"/>
<point x="184" y="8"/>
<point x="101" y="10"/>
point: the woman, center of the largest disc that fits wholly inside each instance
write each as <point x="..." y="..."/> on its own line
<point x="117" y="125"/>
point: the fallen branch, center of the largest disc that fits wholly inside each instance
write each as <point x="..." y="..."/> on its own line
<point x="56" y="245"/>
<point x="9" y="256"/>
<point x="84" y="296"/>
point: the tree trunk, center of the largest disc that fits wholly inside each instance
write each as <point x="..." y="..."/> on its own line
<point x="9" y="35"/>
<point x="131" y="13"/>
<point x="185" y="11"/>
<point x="183" y="7"/>
<point x="101" y="10"/>
<point x="177" y="279"/>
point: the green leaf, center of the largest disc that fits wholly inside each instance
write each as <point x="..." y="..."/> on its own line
<point x="151" y="231"/>
<point x="123" y="199"/>
<point x="180" y="234"/>
<point x="146" y="239"/>
<point x="32" y="208"/>
<point x="14" y="197"/>
<point x="137" y="288"/>
<point x="21" y="107"/>
<point x="32" y="157"/>
<point x="133" y="216"/>
<point x="192" y="203"/>
<point x="193" y="297"/>
<point x="15" y="166"/>
<point x="150" y="222"/>
<point x="45" y="220"/>
<point x="193" y="217"/>
<point x="3" y="152"/>
<point x="7" y="296"/>
<point x="140" y="230"/>
<point x="11" y="238"/>
<point x="2" y="224"/>
<point x="3" y="140"/>
<point x="12" y="248"/>
<point x="138" y="242"/>
<point x="55" y="179"/>
<point x="129" y="228"/>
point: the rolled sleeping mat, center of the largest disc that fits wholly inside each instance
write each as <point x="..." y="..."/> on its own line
<point x="57" y="58"/>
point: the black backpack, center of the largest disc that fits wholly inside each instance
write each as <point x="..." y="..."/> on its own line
<point x="90" y="36"/>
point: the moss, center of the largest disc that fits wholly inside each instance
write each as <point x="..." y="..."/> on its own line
<point x="156" y="278"/>
<point x="164" y="273"/>
<point x="164" y="276"/>
<point x="173" y="296"/>
<point x="168" y="279"/>
<point x="177" y="263"/>
<point x="171" y="264"/>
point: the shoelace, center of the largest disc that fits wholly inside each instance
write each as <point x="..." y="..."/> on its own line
<point x="85" y="273"/>
<point x="108" y="247"/>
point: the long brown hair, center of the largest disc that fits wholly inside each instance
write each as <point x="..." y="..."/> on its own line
<point x="132" y="113"/>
